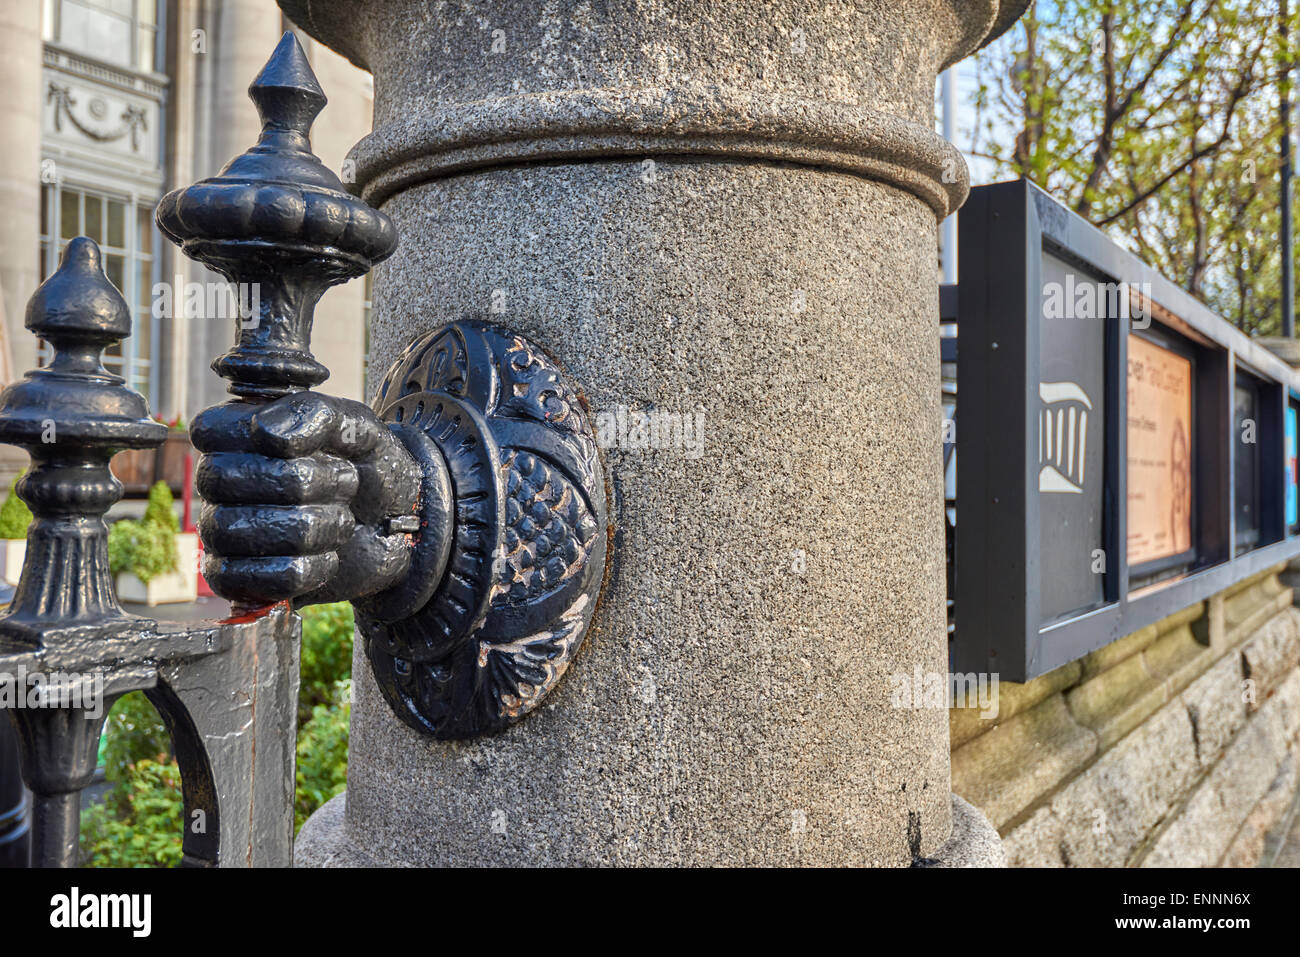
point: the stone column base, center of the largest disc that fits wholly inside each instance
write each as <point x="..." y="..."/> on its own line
<point x="974" y="842"/>
<point x="323" y="841"/>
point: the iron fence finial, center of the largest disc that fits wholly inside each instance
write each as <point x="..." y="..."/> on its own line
<point x="72" y="416"/>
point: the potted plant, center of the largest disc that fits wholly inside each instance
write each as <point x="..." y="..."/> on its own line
<point x="153" y="560"/>
<point x="15" y="516"/>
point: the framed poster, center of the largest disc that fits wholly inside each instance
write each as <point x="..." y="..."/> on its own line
<point x="1121" y="450"/>
<point x="1159" y="460"/>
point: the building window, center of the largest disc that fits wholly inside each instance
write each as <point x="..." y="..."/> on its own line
<point x="119" y="31"/>
<point x="124" y="231"/>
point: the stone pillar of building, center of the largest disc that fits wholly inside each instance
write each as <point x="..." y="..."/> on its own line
<point x="727" y="212"/>
<point x="20" y="192"/>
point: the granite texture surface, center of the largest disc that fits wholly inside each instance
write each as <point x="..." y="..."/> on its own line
<point x="845" y="86"/>
<point x="727" y="214"/>
<point x="974" y="841"/>
<point x="732" y="704"/>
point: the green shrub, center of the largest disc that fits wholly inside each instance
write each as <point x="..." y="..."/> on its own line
<point x="162" y="507"/>
<point x="15" y="516"/>
<point x="326" y="654"/>
<point x="147" y="549"/>
<point x="323" y="754"/>
<point x="133" y="732"/>
<point x="140" y="823"/>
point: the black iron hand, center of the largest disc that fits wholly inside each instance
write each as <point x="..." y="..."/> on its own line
<point x="309" y="497"/>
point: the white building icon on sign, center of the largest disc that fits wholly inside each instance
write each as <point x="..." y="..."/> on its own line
<point x="1062" y="436"/>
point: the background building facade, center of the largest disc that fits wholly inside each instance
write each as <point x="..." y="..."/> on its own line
<point x="111" y="103"/>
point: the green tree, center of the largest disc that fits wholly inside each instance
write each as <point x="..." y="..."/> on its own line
<point x="1158" y="122"/>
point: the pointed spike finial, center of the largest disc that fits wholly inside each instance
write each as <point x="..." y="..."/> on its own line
<point x="71" y="415"/>
<point x="286" y="92"/>
<point x="277" y="221"/>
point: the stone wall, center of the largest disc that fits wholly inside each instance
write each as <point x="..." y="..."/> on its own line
<point x="1174" y="746"/>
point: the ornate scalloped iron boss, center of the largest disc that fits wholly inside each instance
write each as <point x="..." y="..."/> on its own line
<point x="464" y="516"/>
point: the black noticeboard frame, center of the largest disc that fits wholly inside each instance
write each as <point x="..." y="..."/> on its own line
<point x="1004" y="232"/>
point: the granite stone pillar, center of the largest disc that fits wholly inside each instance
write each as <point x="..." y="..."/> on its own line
<point x="719" y="208"/>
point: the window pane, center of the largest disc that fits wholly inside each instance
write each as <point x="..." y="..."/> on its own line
<point x="94" y="227"/>
<point x="69" y="216"/>
<point x="140" y="381"/>
<point x="144" y="227"/>
<point x="116" y="224"/>
<point x="120" y="7"/>
<point x="115" y="267"/>
<point x="45" y="210"/>
<point x="45" y="259"/>
<point x="96" y="32"/>
<point x="144" y="287"/>
<point x="142" y="333"/>
<point x="147" y="11"/>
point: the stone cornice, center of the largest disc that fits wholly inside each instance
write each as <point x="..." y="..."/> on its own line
<point x="152" y="85"/>
<point x="335" y="23"/>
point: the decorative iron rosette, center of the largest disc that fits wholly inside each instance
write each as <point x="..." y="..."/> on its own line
<point x="513" y="538"/>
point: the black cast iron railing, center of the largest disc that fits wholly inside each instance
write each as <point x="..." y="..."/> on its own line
<point x="226" y="690"/>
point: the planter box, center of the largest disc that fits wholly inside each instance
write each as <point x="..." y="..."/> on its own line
<point x="134" y="469"/>
<point x="12" y="551"/>
<point x="169" y="460"/>
<point x="177" y="586"/>
<point x="138" y="469"/>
